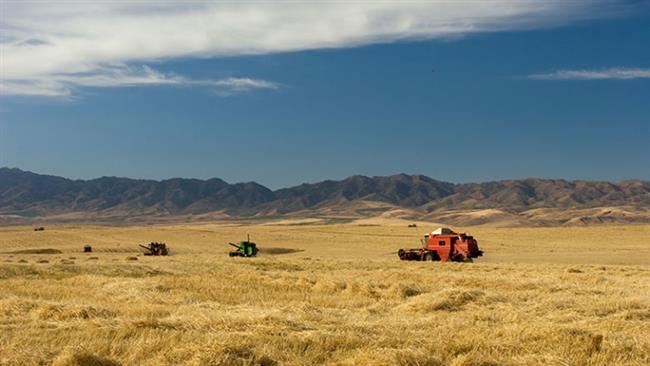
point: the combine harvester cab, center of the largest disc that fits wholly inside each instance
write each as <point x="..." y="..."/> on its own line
<point x="444" y="245"/>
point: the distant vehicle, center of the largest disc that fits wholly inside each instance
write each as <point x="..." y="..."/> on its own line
<point x="244" y="249"/>
<point x="443" y="245"/>
<point x="39" y="229"/>
<point x="156" y="249"/>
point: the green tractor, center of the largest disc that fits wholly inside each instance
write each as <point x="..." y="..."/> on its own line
<point x="244" y="249"/>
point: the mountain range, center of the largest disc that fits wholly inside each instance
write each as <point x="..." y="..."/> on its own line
<point x="29" y="197"/>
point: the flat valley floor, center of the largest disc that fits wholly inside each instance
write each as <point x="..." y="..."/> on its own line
<point x="323" y="295"/>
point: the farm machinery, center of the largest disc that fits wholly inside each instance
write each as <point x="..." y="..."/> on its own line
<point x="443" y="245"/>
<point x="244" y="249"/>
<point x="156" y="249"/>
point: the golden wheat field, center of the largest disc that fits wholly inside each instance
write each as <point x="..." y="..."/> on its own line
<point x="319" y="294"/>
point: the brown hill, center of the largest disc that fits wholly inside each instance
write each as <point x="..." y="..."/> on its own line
<point x="26" y="196"/>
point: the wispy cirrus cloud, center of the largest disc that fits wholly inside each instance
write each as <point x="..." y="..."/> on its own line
<point x="612" y="73"/>
<point x="64" y="85"/>
<point x="51" y="48"/>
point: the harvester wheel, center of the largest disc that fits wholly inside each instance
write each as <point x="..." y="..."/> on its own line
<point x="428" y="257"/>
<point x="461" y="258"/>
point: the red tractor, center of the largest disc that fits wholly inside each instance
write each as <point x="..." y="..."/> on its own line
<point x="443" y="245"/>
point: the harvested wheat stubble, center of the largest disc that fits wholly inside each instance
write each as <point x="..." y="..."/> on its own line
<point x="353" y="303"/>
<point x="277" y="251"/>
<point x="78" y="356"/>
<point x="115" y="250"/>
<point x="38" y="251"/>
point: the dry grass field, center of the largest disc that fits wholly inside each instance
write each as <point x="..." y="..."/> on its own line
<point x="323" y="295"/>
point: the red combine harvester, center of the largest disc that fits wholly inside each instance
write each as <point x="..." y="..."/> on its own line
<point x="443" y="245"/>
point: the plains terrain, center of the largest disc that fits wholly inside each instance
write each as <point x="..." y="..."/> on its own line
<point x="332" y="294"/>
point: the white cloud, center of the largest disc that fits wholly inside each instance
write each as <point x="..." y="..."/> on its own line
<point x="46" y="48"/>
<point x="619" y="73"/>
<point x="63" y="85"/>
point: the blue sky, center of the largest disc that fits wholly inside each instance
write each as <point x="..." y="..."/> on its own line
<point x="558" y="92"/>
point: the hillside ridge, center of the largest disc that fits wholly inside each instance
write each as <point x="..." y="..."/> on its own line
<point x="25" y="195"/>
